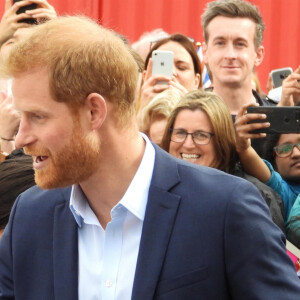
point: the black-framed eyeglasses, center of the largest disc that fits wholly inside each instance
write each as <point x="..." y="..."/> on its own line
<point x="285" y="150"/>
<point x="199" y="137"/>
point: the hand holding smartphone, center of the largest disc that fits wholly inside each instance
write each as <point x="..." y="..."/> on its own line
<point x="162" y="63"/>
<point x="283" y="119"/>
<point x="23" y="9"/>
<point x="279" y="75"/>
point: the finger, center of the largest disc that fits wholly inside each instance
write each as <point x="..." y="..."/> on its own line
<point x="37" y="11"/>
<point x="153" y="80"/>
<point x="178" y="86"/>
<point x="158" y="88"/>
<point x="242" y="120"/>
<point x="7" y="5"/>
<point x="148" y="73"/>
<point x="42" y="3"/>
<point x="22" y="16"/>
<point x="20" y="4"/>
<point x="254" y="116"/>
<point x="44" y="16"/>
<point x="247" y="131"/>
<point x="244" y="108"/>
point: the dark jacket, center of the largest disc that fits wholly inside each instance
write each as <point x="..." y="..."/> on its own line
<point x="206" y="235"/>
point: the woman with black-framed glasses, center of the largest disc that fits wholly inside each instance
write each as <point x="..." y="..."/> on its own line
<point x="280" y="168"/>
<point x="186" y="70"/>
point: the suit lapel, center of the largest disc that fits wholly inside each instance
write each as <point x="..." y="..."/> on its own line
<point x="158" y="224"/>
<point x="65" y="252"/>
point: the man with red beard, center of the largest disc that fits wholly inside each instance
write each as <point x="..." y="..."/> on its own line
<point x="114" y="216"/>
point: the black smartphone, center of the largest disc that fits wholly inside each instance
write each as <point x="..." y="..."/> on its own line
<point x="23" y="9"/>
<point x="283" y="119"/>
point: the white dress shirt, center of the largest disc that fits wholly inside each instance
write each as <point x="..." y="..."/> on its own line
<point x="107" y="258"/>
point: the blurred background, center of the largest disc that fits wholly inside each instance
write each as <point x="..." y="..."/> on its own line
<point x="133" y="17"/>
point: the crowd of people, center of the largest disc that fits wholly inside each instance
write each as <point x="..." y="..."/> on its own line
<point x="119" y="184"/>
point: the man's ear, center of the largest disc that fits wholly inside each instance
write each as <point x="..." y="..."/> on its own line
<point x="260" y="53"/>
<point x="204" y="52"/>
<point x="96" y="109"/>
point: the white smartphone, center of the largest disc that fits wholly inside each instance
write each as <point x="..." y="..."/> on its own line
<point x="279" y="75"/>
<point x="162" y="63"/>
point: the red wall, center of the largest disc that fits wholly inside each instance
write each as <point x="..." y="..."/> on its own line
<point x="133" y="17"/>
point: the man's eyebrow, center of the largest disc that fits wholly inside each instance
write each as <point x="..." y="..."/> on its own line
<point x="35" y="111"/>
<point x="241" y="39"/>
<point x="219" y="37"/>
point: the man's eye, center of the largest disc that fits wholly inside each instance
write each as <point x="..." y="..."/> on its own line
<point x="37" y="117"/>
<point x="240" y="44"/>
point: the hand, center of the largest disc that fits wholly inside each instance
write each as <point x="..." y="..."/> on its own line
<point x="243" y="128"/>
<point x="9" y="117"/>
<point x="291" y="89"/>
<point x="9" y="22"/>
<point x="43" y="12"/>
<point x="150" y="88"/>
<point x="175" y="84"/>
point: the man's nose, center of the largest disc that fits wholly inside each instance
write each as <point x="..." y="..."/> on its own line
<point x="230" y="52"/>
<point x="24" y="136"/>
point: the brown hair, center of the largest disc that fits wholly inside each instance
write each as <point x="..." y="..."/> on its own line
<point x="234" y="9"/>
<point x="220" y="118"/>
<point x="186" y="44"/>
<point x="82" y="58"/>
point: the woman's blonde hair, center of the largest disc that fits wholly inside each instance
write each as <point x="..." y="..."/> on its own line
<point x="159" y="108"/>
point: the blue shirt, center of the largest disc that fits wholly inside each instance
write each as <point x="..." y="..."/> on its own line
<point x="107" y="258"/>
<point x="287" y="191"/>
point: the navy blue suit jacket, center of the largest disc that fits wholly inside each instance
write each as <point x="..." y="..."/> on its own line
<point x="206" y="235"/>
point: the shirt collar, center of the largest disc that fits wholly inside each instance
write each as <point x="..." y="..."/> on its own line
<point x="135" y="198"/>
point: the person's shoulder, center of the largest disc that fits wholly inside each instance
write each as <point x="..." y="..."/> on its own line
<point x="263" y="101"/>
<point x="196" y="174"/>
<point x="36" y="196"/>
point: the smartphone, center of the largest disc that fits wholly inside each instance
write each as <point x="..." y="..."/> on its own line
<point x="162" y="63"/>
<point x="284" y="119"/>
<point x="23" y="9"/>
<point x="279" y="75"/>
